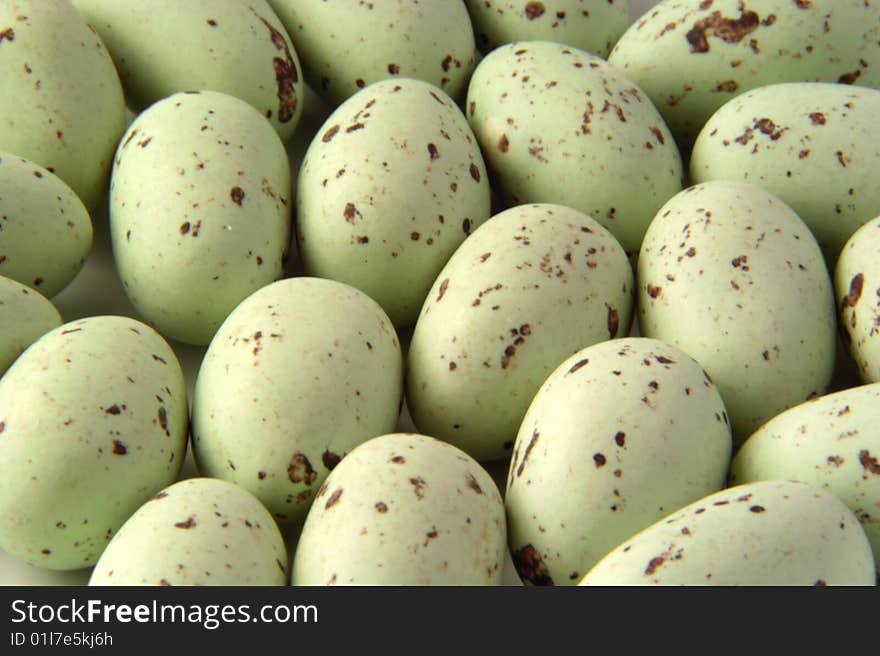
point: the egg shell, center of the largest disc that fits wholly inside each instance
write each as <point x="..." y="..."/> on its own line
<point x="762" y="533"/>
<point x="390" y="186"/>
<point x="25" y="316"/>
<point x="591" y="25"/>
<point x="620" y="434"/>
<point x="530" y="287"/>
<point x="63" y="106"/>
<point x="814" y="145"/>
<point x="45" y="231"/>
<point x="346" y="45"/>
<point x="832" y="442"/>
<point x="732" y="276"/>
<point x="857" y="290"/>
<point x="199" y="211"/>
<point x="199" y="531"/>
<point x="300" y="373"/>
<point x="93" y="422"/>
<point x="693" y="56"/>
<point x="558" y="125"/>
<point x="240" y="48"/>
<point x="403" y="509"/>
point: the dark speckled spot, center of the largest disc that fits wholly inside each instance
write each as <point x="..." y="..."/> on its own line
<point x="530" y="566"/>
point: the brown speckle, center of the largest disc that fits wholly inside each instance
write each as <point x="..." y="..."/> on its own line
<point x="334" y="498"/>
<point x="330" y="133"/>
<point x="475" y="172"/>
<point x="849" y="78"/>
<point x="599" y="459"/>
<point x="653" y="291"/>
<point x="418" y="484"/>
<point x="433" y="153"/>
<point x="300" y="469"/>
<point x="620" y="438"/>
<point x="7" y="35"/>
<point x="855" y="291"/>
<point x="503" y="143"/>
<point x="534" y="10"/>
<point x="184" y="227"/>
<point x="577" y="365"/>
<point x="162" y="415"/>
<point x="212" y="22"/>
<point x="237" y="195"/>
<point x="351" y="213"/>
<point x="654" y="563"/>
<point x="398" y="460"/>
<point x="728" y="86"/>
<point x="472" y="483"/>
<point x="757" y="509"/>
<point x="285" y="75"/>
<point x="330" y="459"/>
<point x="613" y="322"/>
<point x="466" y="226"/>
<point x="188" y="523"/>
<point x="394" y="69"/>
<point x="113" y="410"/>
<point x="530" y="566"/>
<point x="869" y="463"/>
<point x="729" y="30"/>
<point x="817" y="118"/>
<point x="529" y="447"/>
<point x="443" y="286"/>
<point x="381" y="507"/>
<point x="119" y="448"/>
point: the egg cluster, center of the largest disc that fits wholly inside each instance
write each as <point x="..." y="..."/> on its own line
<point x="478" y="291"/>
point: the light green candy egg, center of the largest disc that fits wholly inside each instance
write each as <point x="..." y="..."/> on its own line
<point x="300" y="373"/>
<point x="857" y="290"/>
<point x="811" y="144"/>
<point x="93" y="422"/>
<point x="558" y="125"/>
<point x="25" y="316"/>
<point x="346" y="45"/>
<point x="619" y="435"/>
<point x="199" y="211"/>
<point x="403" y="509"/>
<point x="732" y="276"/>
<point x="591" y="25"/>
<point x="692" y="56"/>
<point x="62" y="101"/>
<point x="832" y="442"/>
<point x="45" y="231"/>
<point x="390" y="186"/>
<point x="766" y="533"/>
<point x="165" y="46"/>
<point x="199" y="531"/>
<point x="530" y="287"/>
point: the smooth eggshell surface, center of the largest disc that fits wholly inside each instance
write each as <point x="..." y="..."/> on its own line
<point x="530" y="287"/>
<point x="692" y="56"/>
<point x="45" y="231"/>
<point x="93" y="422"/>
<point x="199" y="211"/>
<point x="25" y="316"/>
<point x="62" y="101"/>
<point x="558" y="125"/>
<point x="300" y="373"/>
<point x="620" y="434"/>
<point x="390" y="186"/>
<point x="200" y="531"/>
<point x="165" y="46"/>
<point x="764" y="533"/>
<point x="403" y="509"/>
<point x="732" y="276"/>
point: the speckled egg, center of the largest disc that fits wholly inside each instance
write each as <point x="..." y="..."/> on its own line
<point x="93" y="422"/>
<point x="857" y="290"/>
<point x="530" y="287"/>
<point x="25" y="316"/>
<point x="165" y="46"/>
<point x="619" y="435"/>
<point x="814" y="145"/>
<point x="199" y="211"/>
<point x="45" y="231"/>
<point x="591" y="25"/>
<point x="62" y="101"/>
<point x="346" y="45"/>
<point x="692" y="56"/>
<point x="390" y="186"/>
<point x="558" y="125"/>
<point x="403" y="509"/>
<point x="199" y="531"/>
<point x="300" y="373"/>
<point x="732" y="276"/>
<point x="764" y="533"/>
<point x="832" y="442"/>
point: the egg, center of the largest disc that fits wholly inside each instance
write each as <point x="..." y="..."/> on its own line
<point x="389" y="187"/>
<point x="530" y="287"/>
<point x="813" y="145"/>
<point x="199" y="531"/>
<point x="45" y="231"/>
<point x="831" y="442"/>
<point x="299" y="374"/>
<point x="619" y="435"/>
<point x="25" y="316"/>
<point x="732" y="276"/>
<point x="857" y="290"/>
<point x="591" y="25"/>
<point x="693" y="56"/>
<point x="166" y="46"/>
<point x="199" y="211"/>
<point x="93" y="422"/>
<point x="764" y="533"/>
<point x="348" y="45"/>
<point x="63" y="106"/>
<point x="403" y="509"/>
<point x="558" y="125"/>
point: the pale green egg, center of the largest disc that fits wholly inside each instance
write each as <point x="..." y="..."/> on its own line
<point x="25" y="316"/>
